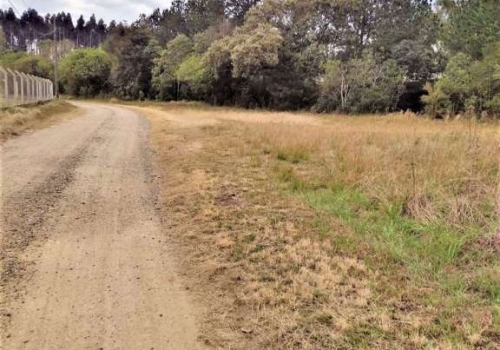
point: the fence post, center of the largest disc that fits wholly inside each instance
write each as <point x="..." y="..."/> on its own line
<point x="35" y="88"/>
<point x="38" y="92"/>
<point x="29" y="89"/>
<point x="21" y="85"/>
<point x="16" y="88"/>
<point x="25" y="79"/>
<point x="6" y="84"/>
<point x="32" y="88"/>
<point x="43" y="89"/>
<point x="35" y="93"/>
<point x="14" y="85"/>
<point x="33" y="81"/>
<point x="50" y="89"/>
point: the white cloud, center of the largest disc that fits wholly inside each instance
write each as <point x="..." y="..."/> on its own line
<point x="119" y="10"/>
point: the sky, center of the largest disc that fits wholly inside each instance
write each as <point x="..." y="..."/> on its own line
<point x="119" y="10"/>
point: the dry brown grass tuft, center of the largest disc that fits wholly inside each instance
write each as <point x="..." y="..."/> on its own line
<point x="17" y="120"/>
<point x="439" y="169"/>
<point x="301" y="232"/>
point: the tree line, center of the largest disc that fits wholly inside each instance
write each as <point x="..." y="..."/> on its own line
<point x="23" y="32"/>
<point x="350" y="56"/>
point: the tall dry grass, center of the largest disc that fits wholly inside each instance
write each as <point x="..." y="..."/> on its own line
<point x="16" y="120"/>
<point x="418" y="200"/>
<point x="438" y="170"/>
<point x="335" y="232"/>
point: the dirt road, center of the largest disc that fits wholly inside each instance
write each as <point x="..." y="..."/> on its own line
<point x="85" y="264"/>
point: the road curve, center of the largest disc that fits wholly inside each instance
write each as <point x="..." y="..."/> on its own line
<point x="84" y="262"/>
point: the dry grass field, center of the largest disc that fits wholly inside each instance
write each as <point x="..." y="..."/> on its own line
<point x="17" y="120"/>
<point x="307" y="232"/>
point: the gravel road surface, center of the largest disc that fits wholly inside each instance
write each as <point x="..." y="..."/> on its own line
<point x="84" y="261"/>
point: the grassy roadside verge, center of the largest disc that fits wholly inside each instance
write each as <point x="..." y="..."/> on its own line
<point x="348" y="234"/>
<point x="421" y="209"/>
<point x="17" y="120"/>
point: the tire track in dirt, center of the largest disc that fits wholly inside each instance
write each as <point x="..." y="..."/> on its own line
<point x="19" y="231"/>
<point x="84" y="257"/>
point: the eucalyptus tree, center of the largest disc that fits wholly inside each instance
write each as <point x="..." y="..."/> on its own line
<point x="470" y="25"/>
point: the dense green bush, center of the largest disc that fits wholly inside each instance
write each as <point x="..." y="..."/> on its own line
<point x="468" y="85"/>
<point x="165" y="80"/>
<point x="360" y="86"/>
<point x="29" y="64"/>
<point x="85" y="72"/>
<point x="471" y="41"/>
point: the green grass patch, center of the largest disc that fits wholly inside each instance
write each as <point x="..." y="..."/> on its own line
<point x="435" y="256"/>
<point x="430" y="252"/>
<point x="424" y="249"/>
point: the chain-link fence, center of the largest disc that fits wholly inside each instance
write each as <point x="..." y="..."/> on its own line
<point x="18" y="88"/>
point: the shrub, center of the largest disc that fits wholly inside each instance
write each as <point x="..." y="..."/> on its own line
<point x="29" y="64"/>
<point x="360" y="85"/>
<point x="467" y="85"/>
<point x="85" y="72"/>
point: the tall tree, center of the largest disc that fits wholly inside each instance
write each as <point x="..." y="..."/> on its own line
<point x="90" y="31"/>
<point x="164" y="78"/>
<point x="100" y="31"/>
<point x="470" y="25"/>
<point x="237" y="9"/>
<point x="201" y="14"/>
<point x="3" y="41"/>
<point x="80" y="32"/>
<point x="169" y="23"/>
<point x="133" y="51"/>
